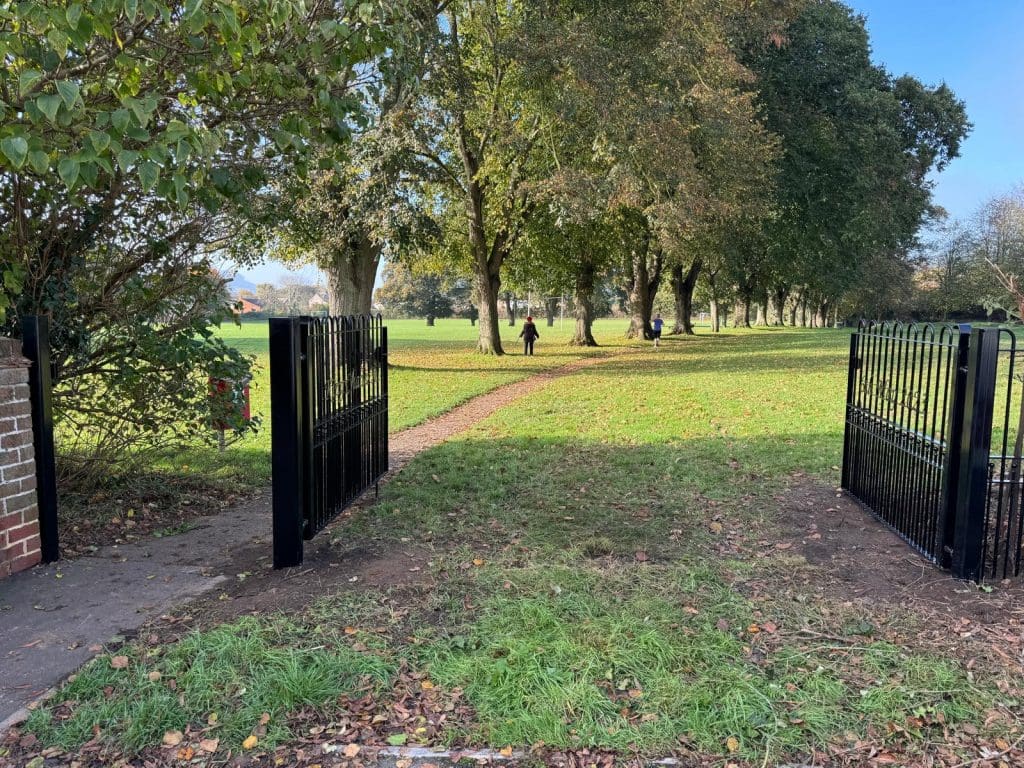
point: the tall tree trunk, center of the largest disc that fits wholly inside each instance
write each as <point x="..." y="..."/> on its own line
<point x="430" y="320"/>
<point x="683" y="284"/>
<point x="550" y="308"/>
<point x="643" y="287"/>
<point x="803" y="311"/>
<point x="762" y="312"/>
<point x="351" y="275"/>
<point x="779" y="298"/>
<point x="487" y="287"/>
<point x="795" y="308"/>
<point x="583" y="305"/>
<point x="510" y="307"/>
<point x="716" y="319"/>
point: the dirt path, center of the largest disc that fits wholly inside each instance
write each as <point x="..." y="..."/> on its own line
<point x="53" y="618"/>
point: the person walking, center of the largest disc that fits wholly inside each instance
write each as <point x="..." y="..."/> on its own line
<point x="656" y="325"/>
<point x="529" y="334"/>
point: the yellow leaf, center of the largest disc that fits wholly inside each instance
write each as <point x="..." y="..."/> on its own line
<point x="477" y="562"/>
<point x="351" y="750"/>
<point x="212" y="718"/>
<point x="350" y="630"/>
<point x="186" y="753"/>
<point x="732" y="744"/>
<point x="250" y="742"/>
<point x="506" y="751"/>
<point x="427" y="685"/>
<point x="173" y="738"/>
<point x="753" y="629"/>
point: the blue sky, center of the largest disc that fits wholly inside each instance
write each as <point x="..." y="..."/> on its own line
<point x="977" y="47"/>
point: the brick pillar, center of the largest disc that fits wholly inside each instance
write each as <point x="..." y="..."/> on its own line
<point x="19" y="513"/>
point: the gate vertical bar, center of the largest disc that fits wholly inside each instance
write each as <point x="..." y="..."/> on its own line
<point x="35" y="336"/>
<point x="385" y="433"/>
<point x="306" y="378"/>
<point x="946" y="525"/>
<point x="851" y="381"/>
<point x="974" y="448"/>
<point x="287" y="432"/>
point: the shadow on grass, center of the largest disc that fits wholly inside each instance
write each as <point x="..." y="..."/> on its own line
<point x="558" y="497"/>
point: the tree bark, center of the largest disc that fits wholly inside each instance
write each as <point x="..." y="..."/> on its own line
<point x="779" y="299"/>
<point x="487" y="286"/>
<point x="583" y="306"/>
<point x="550" y="307"/>
<point x="510" y="307"/>
<point x="683" y="285"/>
<point x="351" y="275"/>
<point x="430" y="320"/>
<point x="644" y="283"/>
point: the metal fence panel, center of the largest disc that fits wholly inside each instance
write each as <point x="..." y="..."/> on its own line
<point x="332" y="403"/>
<point x="900" y="392"/>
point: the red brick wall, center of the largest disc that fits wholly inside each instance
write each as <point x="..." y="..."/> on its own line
<point x="19" y="514"/>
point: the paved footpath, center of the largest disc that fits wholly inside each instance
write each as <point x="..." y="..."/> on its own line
<point x="51" y="615"/>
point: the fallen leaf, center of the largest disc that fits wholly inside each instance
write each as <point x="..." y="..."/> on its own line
<point x="264" y="718"/>
<point x="173" y="738"/>
<point x="209" y="745"/>
<point x="351" y="750"/>
<point x="715" y="527"/>
<point x="350" y="630"/>
<point x="250" y="742"/>
<point x="753" y="629"/>
<point x="506" y="751"/>
<point x="732" y="744"/>
<point x="397" y="739"/>
<point x="426" y="685"/>
<point x="186" y="753"/>
<point x="119" y="662"/>
<point x="641" y="556"/>
<point x="477" y="562"/>
<point x="769" y="626"/>
<point x="154" y="676"/>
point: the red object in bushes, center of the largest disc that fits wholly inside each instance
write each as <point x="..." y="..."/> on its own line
<point x="239" y="396"/>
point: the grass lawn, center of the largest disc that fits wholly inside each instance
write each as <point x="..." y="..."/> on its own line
<point x="616" y="563"/>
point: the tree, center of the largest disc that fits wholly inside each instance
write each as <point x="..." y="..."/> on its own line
<point x="404" y="293"/>
<point x="852" y="184"/>
<point x="480" y="132"/>
<point x="344" y="218"/>
<point x="130" y="137"/>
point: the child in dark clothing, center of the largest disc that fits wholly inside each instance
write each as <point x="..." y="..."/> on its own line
<point x="529" y="334"/>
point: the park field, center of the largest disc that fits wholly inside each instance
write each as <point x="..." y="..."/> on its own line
<point x="433" y="369"/>
<point x="644" y="557"/>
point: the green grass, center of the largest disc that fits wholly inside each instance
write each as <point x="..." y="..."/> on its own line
<point x="595" y="577"/>
<point x="230" y="678"/>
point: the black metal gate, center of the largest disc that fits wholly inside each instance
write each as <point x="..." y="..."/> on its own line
<point x="919" y="431"/>
<point x="329" y="421"/>
<point x="35" y="342"/>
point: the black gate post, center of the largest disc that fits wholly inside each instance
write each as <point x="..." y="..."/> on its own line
<point x="851" y="382"/>
<point x="946" y="525"/>
<point x="287" y="394"/>
<point x="35" y="338"/>
<point x="974" y="447"/>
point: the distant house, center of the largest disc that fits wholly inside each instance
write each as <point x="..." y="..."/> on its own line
<point x="249" y="306"/>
